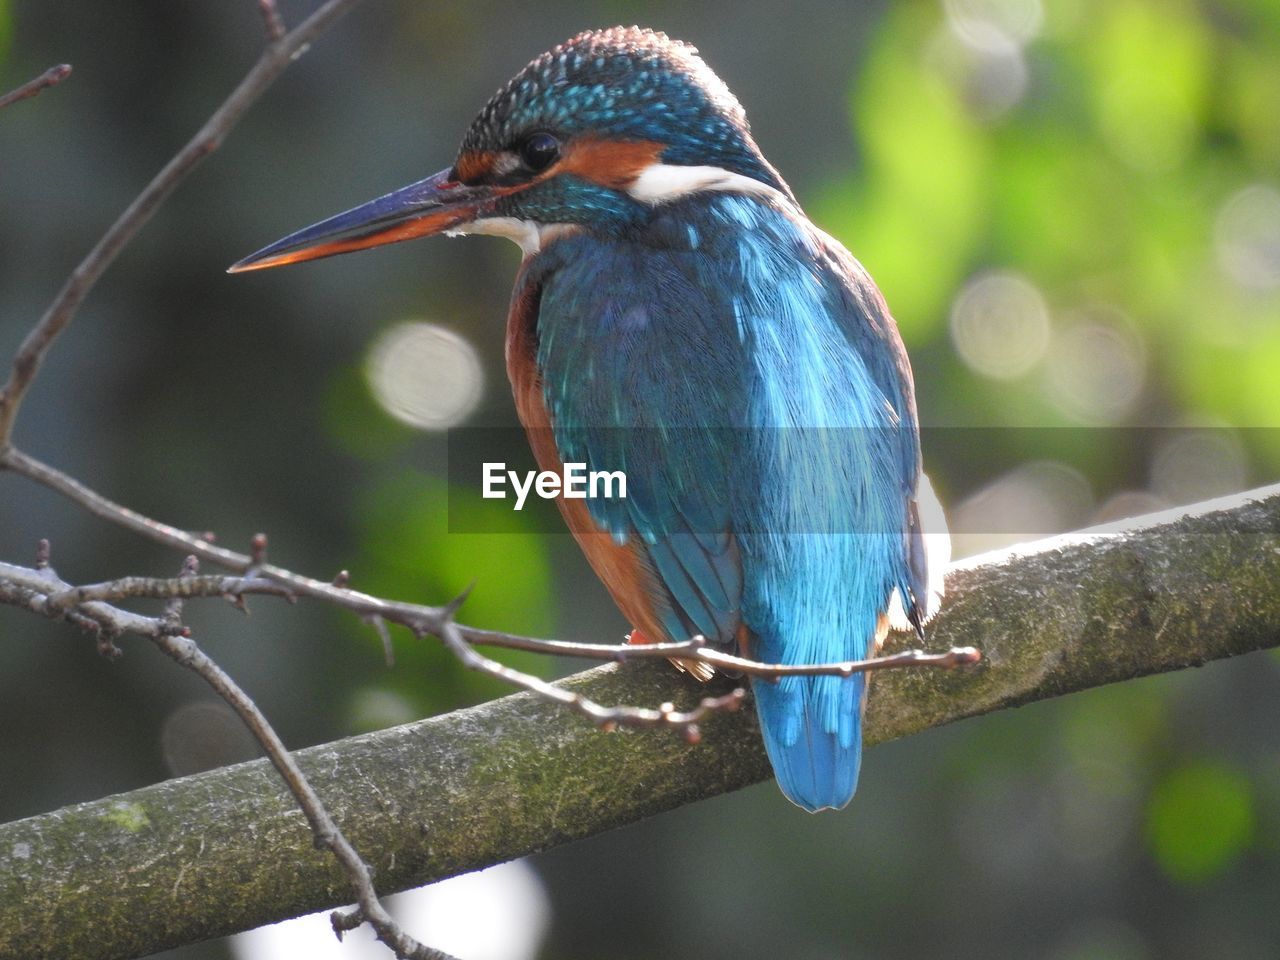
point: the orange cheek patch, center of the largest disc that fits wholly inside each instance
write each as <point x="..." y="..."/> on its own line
<point x="610" y="163"/>
<point x="474" y="166"/>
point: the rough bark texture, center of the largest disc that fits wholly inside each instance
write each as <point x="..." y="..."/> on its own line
<point x="227" y="850"/>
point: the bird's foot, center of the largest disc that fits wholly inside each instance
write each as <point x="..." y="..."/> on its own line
<point x="695" y="668"/>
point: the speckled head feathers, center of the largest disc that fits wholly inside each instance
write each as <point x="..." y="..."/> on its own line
<point x="627" y="84"/>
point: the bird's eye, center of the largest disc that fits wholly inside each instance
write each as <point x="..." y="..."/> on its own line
<point x="539" y="150"/>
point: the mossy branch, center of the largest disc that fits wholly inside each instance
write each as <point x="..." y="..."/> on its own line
<point x="227" y="850"/>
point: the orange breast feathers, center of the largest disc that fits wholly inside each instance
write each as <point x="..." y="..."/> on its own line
<point x="623" y="570"/>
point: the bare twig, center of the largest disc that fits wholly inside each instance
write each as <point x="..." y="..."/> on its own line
<point x="955" y="657"/>
<point x="199" y="544"/>
<point x="271" y="17"/>
<point x="427" y="619"/>
<point x="697" y="650"/>
<point x="41" y="591"/>
<point x="50" y="78"/>
<point x="275" y="58"/>
<point x="158" y="588"/>
<point x="606" y="718"/>
<point x="31" y="588"/>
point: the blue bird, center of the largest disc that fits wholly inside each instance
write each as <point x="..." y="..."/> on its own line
<point x="678" y="317"/>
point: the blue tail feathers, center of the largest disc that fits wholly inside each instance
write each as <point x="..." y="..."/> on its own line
<point x="815" y="754"/>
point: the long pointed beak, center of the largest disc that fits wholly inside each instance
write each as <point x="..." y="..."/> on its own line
<point x="421" y="209"/>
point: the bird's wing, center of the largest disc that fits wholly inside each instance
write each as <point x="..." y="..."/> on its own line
<point x="869" y="327"/>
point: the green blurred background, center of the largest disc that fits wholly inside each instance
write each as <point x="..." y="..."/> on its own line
<point x="1073" y="207"/>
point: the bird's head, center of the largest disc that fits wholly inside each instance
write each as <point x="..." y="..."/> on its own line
<point x="593" y="134"/>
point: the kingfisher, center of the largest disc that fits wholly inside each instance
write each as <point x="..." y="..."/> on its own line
<point x="677" y="316"/>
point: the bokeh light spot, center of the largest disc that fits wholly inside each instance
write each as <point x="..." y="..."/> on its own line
<point x="1035" y="500"/>
<point x="1247" y="237"/>
<point x="425" y="375"/>
<point x="990" y="82"/>
<point x="997" y="82"/>
<point x="373" y="708"/>
<point x="1097" y="368"/>
<point x="1194" y="465"/>
<point x="994" y="25"/>
<point x="1199" y="819"/>
<point x="204" y="735"/>
<point x="1000" y="325"/>
<point x="502" y="913"/>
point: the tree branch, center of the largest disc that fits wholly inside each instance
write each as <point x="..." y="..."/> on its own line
<point x="271" y="19"/>
<point x="223" y="851"/>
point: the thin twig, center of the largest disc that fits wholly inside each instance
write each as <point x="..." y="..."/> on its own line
<point x="409" y="615"/>
<point x="606" y="718"/>
<point x="271" y="17"/>
<point x="697" y="650"/>
<point x="431" y="620"/>
<point x="273" y="61"/>
<point x="50" y="78"/>
<point x="159" y="588"/>
<point x="41" y="591"/>
<point x="955" y="657"/>
<point x="30" y="589"/>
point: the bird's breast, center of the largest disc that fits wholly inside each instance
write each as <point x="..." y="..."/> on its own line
<point x="620" y="566"/>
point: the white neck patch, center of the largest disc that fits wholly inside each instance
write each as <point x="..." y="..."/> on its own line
<point x="657" y="183"/>
<point x="528" y="235"/>
<point x="662" y="182"/>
